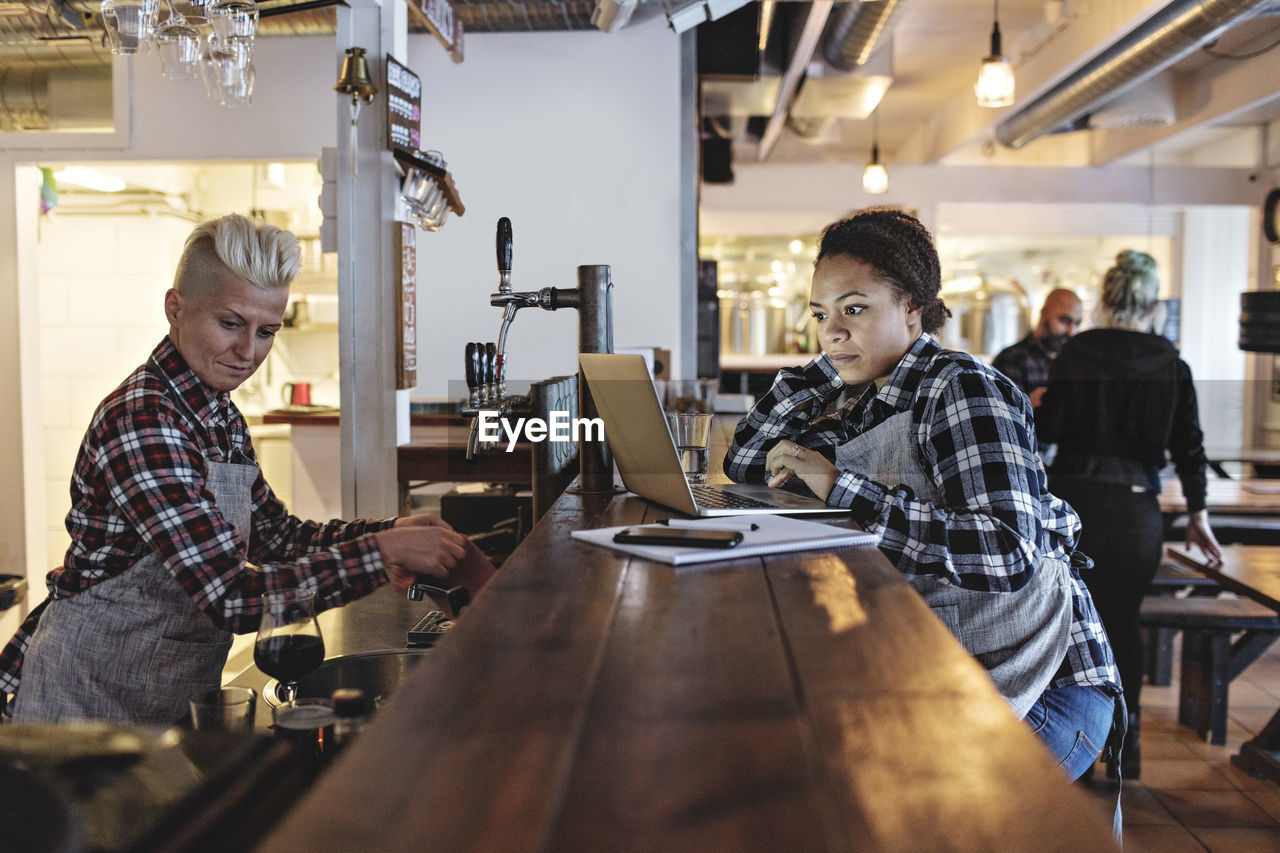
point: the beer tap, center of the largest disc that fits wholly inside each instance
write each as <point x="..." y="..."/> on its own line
<point x="472" y="368"/>
<point x="594" y="302"/>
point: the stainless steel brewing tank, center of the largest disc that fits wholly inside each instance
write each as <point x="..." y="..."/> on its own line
<point x="986" y="316"/>
<point x="752" y="323"/>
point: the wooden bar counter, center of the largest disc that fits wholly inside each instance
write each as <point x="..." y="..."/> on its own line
<point x="592" y="701"/>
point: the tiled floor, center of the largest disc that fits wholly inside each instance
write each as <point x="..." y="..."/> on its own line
<point x="1191" y="797"/>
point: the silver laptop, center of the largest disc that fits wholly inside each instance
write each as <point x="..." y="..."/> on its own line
<point x="647" y="457"/>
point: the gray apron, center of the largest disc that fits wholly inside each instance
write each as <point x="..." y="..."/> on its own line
<point x="1019" y="637"/>
<point x="134" y="648"/>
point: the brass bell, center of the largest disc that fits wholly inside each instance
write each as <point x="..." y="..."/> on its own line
<point x="355" y="80"/>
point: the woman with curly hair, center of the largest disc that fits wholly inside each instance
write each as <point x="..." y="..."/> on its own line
<point x="935" y="451"/>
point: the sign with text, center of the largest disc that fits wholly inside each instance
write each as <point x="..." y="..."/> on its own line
<point x="440" y="19"/>
<point x="404" y="107"/>
<point x="407" y="306"/>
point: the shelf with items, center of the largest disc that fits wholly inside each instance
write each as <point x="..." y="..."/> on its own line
<point x="428" y="189"/>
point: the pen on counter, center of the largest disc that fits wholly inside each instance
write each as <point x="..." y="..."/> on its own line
<point x="719" y="523"/>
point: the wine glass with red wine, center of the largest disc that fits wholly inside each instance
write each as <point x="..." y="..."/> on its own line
<point x="289" y="644"/>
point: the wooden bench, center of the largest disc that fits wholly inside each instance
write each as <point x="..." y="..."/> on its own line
<point x="1210" y="657"/>
<point x="1171" y="579"/>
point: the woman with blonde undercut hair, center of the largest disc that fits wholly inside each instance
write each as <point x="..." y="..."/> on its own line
<point x="175" y="534"/>
<point x="1118" y="398"/>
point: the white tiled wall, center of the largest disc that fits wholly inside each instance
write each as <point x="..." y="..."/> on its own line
<point x="102" y="284"/>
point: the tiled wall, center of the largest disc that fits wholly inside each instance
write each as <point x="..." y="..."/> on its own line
<point x="102" y="285"/>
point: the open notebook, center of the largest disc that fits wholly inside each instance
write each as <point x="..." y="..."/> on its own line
<point x="773" y="534"/>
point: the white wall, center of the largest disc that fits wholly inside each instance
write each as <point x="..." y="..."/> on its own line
<point x="575" y="138"/>
<point x="292" y="115"/>
<point x="101" y="282"/>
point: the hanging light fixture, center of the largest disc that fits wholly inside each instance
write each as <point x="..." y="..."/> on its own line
<point x="875" y="177"/>
<point x="995" y="80"/>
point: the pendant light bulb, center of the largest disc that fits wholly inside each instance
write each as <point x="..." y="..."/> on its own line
<point x="875" y="177"/>
<point x="995" y="84"/>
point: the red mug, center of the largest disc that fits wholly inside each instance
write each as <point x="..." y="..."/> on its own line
<point x="297" y="393"/>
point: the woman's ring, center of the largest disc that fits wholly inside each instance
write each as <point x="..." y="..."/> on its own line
<point x="795" y="450"/>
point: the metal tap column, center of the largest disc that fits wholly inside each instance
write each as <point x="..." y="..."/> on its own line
<point x="595" y="334"/>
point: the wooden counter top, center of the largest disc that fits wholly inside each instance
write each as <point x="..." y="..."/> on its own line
<point x="592" y="701"/>
<point x="321" y="416"/>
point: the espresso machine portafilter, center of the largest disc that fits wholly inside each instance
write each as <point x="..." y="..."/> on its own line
<point x="593" y="300"/>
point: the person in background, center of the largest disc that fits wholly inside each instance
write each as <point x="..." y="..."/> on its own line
<point x="938" y="457"/>
<point x="174" y="532"/>
<point x="1118" y="397"/>
<point x="1027" y="362"/>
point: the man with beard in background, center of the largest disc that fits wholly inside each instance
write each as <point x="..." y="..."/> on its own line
<point x="1027" y="362"/>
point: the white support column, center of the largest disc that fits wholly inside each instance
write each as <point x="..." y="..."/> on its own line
<point x="22" y="535"/>
<point x="367" y="330"/>
<point x="1215" y="271"/>
<point x="687" y="353"/>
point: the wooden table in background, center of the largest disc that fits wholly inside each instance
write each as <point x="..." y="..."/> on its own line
<point x="588" y="700"/>
<point x="1254" y="572"/>
<point x="1233" y="497"/>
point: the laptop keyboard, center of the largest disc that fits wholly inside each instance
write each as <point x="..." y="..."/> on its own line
<point x="710" y="496"/>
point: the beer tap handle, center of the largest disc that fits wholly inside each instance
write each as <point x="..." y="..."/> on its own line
<point x="471" y="361"/>
<point x="491" y="363"/>
<point x="504" y="255"/>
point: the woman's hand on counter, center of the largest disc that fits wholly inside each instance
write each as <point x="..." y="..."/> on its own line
<point x="420" y="545"/>
<point x="788" y="459"/>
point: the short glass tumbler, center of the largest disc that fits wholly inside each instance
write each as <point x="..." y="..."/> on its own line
<point x="178" y="44"/>
<point x="691" y="432"/>
<point x="130" y="24"/>
<point x="225" y="709"/>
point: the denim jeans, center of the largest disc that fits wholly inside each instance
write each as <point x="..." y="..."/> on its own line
<point x="1074" y="723"/>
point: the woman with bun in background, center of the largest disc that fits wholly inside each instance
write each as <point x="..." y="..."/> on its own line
<point x="1118" y="397"/>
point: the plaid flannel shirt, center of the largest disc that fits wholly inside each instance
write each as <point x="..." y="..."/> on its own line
<point x="975" y="433"/>
<point x="1026" y="363"/>
<point x="138" y="489"/>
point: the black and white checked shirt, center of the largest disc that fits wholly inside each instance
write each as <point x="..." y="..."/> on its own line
<point x="975" y="434"/>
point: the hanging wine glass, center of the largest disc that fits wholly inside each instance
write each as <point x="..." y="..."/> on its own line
<point x="178" y="43"/>
<point x="289" y="644"/>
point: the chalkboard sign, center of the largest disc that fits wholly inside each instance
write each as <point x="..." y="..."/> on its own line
<point x="407" y="306"/>
<point x="404" y="107"/>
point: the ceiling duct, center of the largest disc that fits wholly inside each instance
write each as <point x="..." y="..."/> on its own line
<point x="1166" y="37"/>
<point x="1149" y="104"/>
<point x="59" y="97"/>
<point x="856" y="30"/>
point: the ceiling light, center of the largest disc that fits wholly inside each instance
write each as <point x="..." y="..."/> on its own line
<point x="875" y="177"/>
<point x="796" y="247"/>
<point x="995" y="80"/>
<point x="83" y="176"/>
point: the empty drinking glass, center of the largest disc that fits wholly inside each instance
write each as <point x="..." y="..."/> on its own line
<point x="129" y="24"/>
<point x="178" y="44"/>
<point x="234" y="18"/>
<point x="228" y="709"/>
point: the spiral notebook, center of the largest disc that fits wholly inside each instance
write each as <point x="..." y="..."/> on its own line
<point x="761" y="534"/>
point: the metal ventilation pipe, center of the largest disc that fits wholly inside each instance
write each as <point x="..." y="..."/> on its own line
<point x="40" y="97"/>
<point x="1166" y="37"/>
<point x="856" y="30"/>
